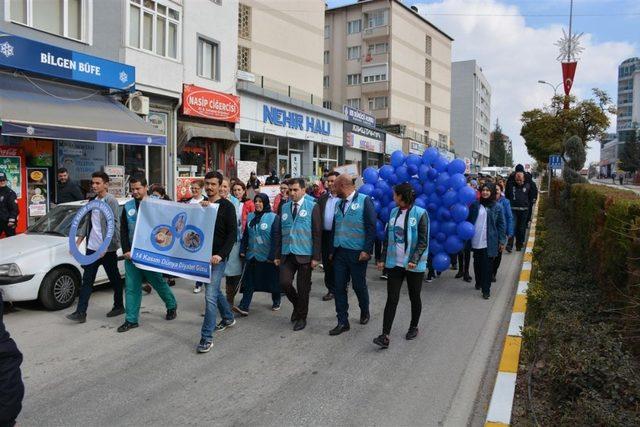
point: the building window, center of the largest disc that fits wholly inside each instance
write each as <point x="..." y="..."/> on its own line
<point x="326" y="104"/>
<point x="155" y="27"/>
<point x="376" y="73"/>
<point x="327" y="31"/>
<point x="354" y="79"/>
<point x="218" y="2"/>
<point x="378" y="48"/>
<point x="427" y="116"/>
<point x="378" y="103"/>
<point x="442" y="140"/>
<point x="244" y="58"/>
<point x="427" y="68"/>
<point x="325" y="81"/>
<point x="244" y="21"/>
<point x="326" y="56"/>
<point x="377" y="18"/>
<point x="427" y="92"/>
<point x="353" y="52"/>
<point x="354" y="27"/>
<point x="427" y="44"/>
<point x="354" y="103"/>
<point x="65" y="18"/>
<point x="208" y="59"/>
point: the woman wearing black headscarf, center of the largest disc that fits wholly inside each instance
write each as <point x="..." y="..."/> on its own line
<point x="258" y="247"/>
<point x="490" y="235"/>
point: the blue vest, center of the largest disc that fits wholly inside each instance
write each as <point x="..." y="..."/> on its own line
<point x="297" y="237"/>
<point x="415" y="213"/>
<point x="132" y="217"/>
<point x="349" y="227"/>
<point x="260" y="237"/>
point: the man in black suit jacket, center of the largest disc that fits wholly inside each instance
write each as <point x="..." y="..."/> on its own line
<point x="327" y="203"/>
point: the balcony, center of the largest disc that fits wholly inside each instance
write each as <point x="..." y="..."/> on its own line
<point x="375" y="32"/>
<point x="375" y="87"/>
<point x="380" y="58"/>
<point x="380" y="114"/>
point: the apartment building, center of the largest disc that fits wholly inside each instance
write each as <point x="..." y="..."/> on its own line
<point x="283" y="125"/>
<point x="386" y="59"/>
<point x="471" y="112"/>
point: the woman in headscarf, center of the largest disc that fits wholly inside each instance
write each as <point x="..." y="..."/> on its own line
<point x="258" y="248"/>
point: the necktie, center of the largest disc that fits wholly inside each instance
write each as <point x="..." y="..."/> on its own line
<point x="343" y="204"/>
<point x="295" y="210"/>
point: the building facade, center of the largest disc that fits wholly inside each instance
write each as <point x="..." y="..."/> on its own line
<point x="471" y="112"/>
<point x="384" y="58"/>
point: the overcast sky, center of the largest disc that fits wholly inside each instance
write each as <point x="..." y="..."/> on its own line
<point x="513" y="42"/>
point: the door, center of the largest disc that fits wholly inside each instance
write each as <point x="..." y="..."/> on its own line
<point x="296" y="165"/>
<point x="283" y="165"/>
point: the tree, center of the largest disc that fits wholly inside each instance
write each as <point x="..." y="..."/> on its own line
<point x="630" y="156"/>
<point x="546" y="129"/>
<point x="497" y="150"/>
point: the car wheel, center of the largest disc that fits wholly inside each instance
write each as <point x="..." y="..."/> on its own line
<point x="59" y="288"/>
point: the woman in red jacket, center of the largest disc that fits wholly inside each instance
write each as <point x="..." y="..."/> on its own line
<point x="240" y="192"/>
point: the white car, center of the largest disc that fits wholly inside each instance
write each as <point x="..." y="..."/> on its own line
<point x="38" y="265"/>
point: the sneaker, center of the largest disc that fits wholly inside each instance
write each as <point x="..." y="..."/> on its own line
<point x="412" y="333"/>
<point x="327" y="297"/>
<point x="127" y="326"/>
<point x="171" y="314"/>
<point x="204" y="346"/>
<point x="147" y="288"/>
<point x="382" y="341"/>
<point x="468" y="279"/>
<point x="171" y="282"/>
<point x="115" y="311"/>
<point x="241" y="311"/>
<point x="197" y="289"/>
<point x="224" y="324"/>
<point x="486" y="296"/>
<point x="509" y="249"/>
<point x="428" y="279"/>
<point x="459" y="275"/>
<point x="275" y="307"/>
<point x="383" y="277"/>
<point x="77" y="317"/>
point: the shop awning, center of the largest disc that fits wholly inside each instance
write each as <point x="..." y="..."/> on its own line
<point x="36" y="108"/>
<point x="189" y="130"/>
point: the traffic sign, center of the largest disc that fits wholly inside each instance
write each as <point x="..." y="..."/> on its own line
<point x="555" y="161"/>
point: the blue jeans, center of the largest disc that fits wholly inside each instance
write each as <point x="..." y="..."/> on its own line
<point x="215" y="300"/>
<point x="345" y="265"/>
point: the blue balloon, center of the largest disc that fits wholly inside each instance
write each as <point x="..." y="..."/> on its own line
<point x="467" y="195"/>
<point x="397" y="158"/>
<point x="366" y="189"/>
<point x="428" y="188"/>
<point x="443" y="214"/>
<point x="393" y="179"/>
<point x="423" y="172"/>
<point x="449" y="228"/>
<point x="385" y="171"/>
<point x="443" y="179"/>
<point x="435" y="199"/>
<point x="441" y="262"/>
<point x="413" y="159"/>
<point x="457" y="181"/>
<point x="432" y="174"/>
<point x="377" y="194"/>
<point x="430" y="155"/>
<point x="441" y="164"/>
<point x="441" y="237"/>
<point x="417" y="187"/>
<point x="465" y="230"/>
<point x="432" y="207"/>
<point x="420" y="203"/>
<point x="434" y="228"/>
<point x="391" y="205"/>
<point x="386" y="199"/>
<point x="435" y="247"/>
<point x="402" y="174"/>
<point x="459" y="212"/>
<point x="370" y="175"/>
<point x="384" y="215"/>
<point x="456" y="166"/>
<point x="449" y="198"/>
<point x="453" y="245"/>
<point x="440" y="190"/>
<point x="383" y="186"/>
<point x="412" y="169"/>
<point x="377" y="206"/>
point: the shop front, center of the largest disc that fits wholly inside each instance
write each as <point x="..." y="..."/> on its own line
<point x="206" y="135"/>
<point x="296" y="140"/>
<point x="71" y="122"/>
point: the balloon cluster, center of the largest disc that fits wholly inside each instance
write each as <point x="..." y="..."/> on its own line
<point x="440" y="187"/>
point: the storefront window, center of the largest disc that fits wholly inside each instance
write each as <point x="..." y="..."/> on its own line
<point x="156" y="172"/>
<point x="325" y="159"/>
<point x="265" y="157"/>
<point x="198" y="157"/>
<point x="132" y="157"/>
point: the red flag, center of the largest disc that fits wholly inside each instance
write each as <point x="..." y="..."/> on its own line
<point x="568" y="72"/>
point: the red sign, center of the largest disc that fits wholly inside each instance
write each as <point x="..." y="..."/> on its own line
<point x="201" y="102"/>
<point x="568" y="73"/>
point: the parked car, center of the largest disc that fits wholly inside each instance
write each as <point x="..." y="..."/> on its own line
<point x="37" y="265"/>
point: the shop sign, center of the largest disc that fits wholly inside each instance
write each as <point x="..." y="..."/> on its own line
<point x="392" y="143"/>
<point x="359" y="117"/>
<point x="41" y="58"/>
<point x="37" y="192"/>
<point x="159" y="121"/>
<point x="209" y="104"/>
<point x="81" y="159"/>
<point x="363" y="138"/>
<point x="116" y="180"/>
<point x="294" y="120"/>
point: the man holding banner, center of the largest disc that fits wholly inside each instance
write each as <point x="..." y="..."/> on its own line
<point x="133" y="274"/>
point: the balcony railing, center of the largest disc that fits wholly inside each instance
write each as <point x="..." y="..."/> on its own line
<point x="375" y="87"/>
<point x="374" y="32"/>
<point x="284" y="89"/>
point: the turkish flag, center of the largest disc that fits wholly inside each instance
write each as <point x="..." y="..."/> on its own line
<point x="568" y="72"/>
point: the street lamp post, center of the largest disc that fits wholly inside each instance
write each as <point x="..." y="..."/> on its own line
<point x="555" y="88"/>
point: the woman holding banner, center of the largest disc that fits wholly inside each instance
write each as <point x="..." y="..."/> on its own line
<point x="258" y="248"/>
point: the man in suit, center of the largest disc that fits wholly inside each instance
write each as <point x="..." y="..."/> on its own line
<point x="327" y="203"/>
<point x="299" y="249"/>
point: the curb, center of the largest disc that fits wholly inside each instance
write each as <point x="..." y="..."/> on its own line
<point x="499" y="413"/>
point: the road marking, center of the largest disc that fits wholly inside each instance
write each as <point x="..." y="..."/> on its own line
<point x="528" y="250"/>
<point x="510" y="355"/>
<point x="516" y="324"/>
<point x="526" y="265"/>
<point x="502" y="399"/>
<point x="530" y="244"/>
<point x="525" y="275"/>
<point x="522" y="287"/>
<point x="528" y="256"/>
<point x="520" y="304"/>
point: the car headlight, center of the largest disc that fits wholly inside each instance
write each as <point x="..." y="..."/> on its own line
<point x="11" y="270"/>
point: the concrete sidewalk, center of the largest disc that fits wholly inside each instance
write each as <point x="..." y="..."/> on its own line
<point x="609" y="183"/>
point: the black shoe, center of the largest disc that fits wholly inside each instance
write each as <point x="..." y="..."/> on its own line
<point x="294" y="317"/>
<point x="77" y="317"/>
<point x="339" y="329"/>
<point x="126" y="326"/>
<point x="509" y="250"/>
<point x="459" y="275"/>
<point x="147" y="288"/>
<point x="468" y="279"/>
<point x="327" y="297"/>
<point x="364" y="318"/>
<point x="115" y="311"/>
<point x="299" y="325"/>
<point x="382" y="341"/>
<point x="493" y="279"/>
<point x="412" y="333"/>
<point x="171" y="314"/>
<point x="478" y="287"/>
<point x="172" y="282"/>
<point x="518" y="248"/>
<point x="485" y="296"/>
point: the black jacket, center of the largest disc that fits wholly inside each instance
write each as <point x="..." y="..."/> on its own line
<point x="225" y="233"/>
<point x="523" y="196"/>
<point x="11" y="386"/>
<point x="8" y="205"/>
<point x="68" y="192"/>
<point x="124" y="229"/>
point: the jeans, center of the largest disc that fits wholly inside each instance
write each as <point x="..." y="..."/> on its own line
<point x="482" y="267"/>
<point x="394" y="283"/>
<point x="110" y="263"/>
<point x="346" y="265"/>
<point x="133" y="289"/>
<point x="214" y="300"/>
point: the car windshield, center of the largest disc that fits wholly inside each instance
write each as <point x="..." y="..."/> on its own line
<point x="57" y="221"/>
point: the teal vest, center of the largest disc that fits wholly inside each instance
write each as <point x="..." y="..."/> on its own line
<point x="132" y="217"/>
<point x="349" y="227"/>
<point x="415" y="213"/>
<point x="297" y="237"/>
<point x="260" y="237"/>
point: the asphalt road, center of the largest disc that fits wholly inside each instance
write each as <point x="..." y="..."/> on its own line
<point x="260" y="372"/>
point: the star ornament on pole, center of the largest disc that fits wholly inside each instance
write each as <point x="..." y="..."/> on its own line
<point x="570" y="51"/>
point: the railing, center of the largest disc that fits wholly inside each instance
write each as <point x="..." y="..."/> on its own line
<point x="288" y="90"/>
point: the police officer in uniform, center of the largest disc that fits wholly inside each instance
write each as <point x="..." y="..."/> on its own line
<point x="133" y="274"/>
<point x="8" y="208"/>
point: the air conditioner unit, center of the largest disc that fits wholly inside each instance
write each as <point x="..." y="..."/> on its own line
<point x="139" y="104"/>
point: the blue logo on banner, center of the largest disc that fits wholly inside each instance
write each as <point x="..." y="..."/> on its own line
<point x="73" y="248"/>
<point x="29" y="55"/>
